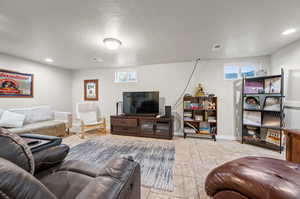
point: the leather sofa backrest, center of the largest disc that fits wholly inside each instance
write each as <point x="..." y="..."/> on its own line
<point x="14" y="149"/>
<point x="16" y="183"/>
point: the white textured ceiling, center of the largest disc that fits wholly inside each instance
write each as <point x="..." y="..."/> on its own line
<point x="152" y="31"/>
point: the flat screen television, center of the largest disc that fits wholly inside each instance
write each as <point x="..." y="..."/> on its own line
<point x="143" y="103"/>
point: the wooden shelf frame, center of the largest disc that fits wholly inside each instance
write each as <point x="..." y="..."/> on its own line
<point x="208" y="112"/>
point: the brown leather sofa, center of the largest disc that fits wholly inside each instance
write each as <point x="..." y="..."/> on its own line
<point x="254" y="178"/>
<point x="44" y="175"/>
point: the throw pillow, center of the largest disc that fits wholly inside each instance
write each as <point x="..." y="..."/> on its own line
<point x="12" y="120"/>
<point x="15" y="149"/>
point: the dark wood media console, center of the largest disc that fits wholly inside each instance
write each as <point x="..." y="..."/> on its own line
<point x="142" y="126"/>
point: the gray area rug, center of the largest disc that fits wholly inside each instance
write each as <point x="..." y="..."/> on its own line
<point x="156" y="158"/>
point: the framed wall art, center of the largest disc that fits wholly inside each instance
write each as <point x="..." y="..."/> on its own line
<point x="91" y="90"/>
<point x="15" y="84"/>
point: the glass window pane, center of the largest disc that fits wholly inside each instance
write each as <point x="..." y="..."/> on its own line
<point x="124" y="77"/>
<point x="248" y="71"/>
<point x="132" y="76"/>
<point x="231" y="72"/>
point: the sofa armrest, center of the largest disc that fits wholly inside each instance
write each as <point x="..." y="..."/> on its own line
<point x="53" y="141"/>
<point x="18" y="184"/>
<point x="50" y="157"/>
<point x="65" y="117"/>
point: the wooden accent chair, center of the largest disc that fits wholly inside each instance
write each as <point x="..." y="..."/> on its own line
<point x="90" y="118"/>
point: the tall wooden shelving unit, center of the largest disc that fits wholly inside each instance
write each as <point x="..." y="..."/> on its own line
<point x="260" y="132"/>
<point x="199" y="117"/>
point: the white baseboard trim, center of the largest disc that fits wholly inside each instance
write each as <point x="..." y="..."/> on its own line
<point x="226" y="137"/>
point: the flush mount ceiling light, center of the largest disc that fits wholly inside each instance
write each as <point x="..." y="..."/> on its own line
<point x="49" y="60"/>
<point x="289" y="31"/>
<point x="112" y="43"/>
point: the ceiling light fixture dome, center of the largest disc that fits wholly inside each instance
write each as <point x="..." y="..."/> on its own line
<point x="112" y="43"/>
<point x="49" y="60"/>
<point x="289" y="31"/>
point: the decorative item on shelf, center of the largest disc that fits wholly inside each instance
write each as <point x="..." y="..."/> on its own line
<point x="91" y="91"/>
<point x="273" y="85"/>
<point x="273" y="137"/>
<point x="15" y="84"/>
<point x="199" y="91"/>
<point x="211" y="105"/>
<point x="271" y="119"/>
<point x="252" y="102"/>
<point x="261" y="72"/>
<point x="199" y="117"/>
<point x="272" y="103"/>
<point x="252" y="131"/>
<point x="252" y="118"/>
<point x="252" y="87"/>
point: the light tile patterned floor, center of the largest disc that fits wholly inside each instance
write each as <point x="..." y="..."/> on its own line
<point x="195" y="158"/>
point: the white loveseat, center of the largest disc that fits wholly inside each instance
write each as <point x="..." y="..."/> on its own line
<point x="41" y="120"/>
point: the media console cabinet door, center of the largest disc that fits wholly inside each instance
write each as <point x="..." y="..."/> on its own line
<point x="292" y="145"/>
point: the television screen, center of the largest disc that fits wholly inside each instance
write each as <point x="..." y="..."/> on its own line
<point x="141" y="102"/>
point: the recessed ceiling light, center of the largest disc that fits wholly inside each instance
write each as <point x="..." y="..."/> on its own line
<point x="216" y="47"/>
<point x="289" y="31"/>
<point x="112" y="43"/>
<point x="49" y="60"/>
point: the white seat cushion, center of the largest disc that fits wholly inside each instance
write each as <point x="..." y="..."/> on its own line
<point x="12" y="120"/>
<point x="36" y="126"/>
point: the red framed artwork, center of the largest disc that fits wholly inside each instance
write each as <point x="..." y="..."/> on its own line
<point x="15" y="84"/>
<point x="91" y="90"/>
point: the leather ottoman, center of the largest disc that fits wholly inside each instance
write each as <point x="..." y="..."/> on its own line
<point x="254" y="178"/>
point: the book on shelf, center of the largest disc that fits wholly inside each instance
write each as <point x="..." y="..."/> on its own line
<point x="195" y="106"/>
<point x="189" y="130"/>
<point x="204" y="128"/>
<point x="252" y="102"/>
<point x="254" y="86"/>
<point x="271" y="119"/>
<point x="253" y="131"/>
<point x="273" y="137"/>
<point x="211" y="119"/>
<point x="252" y="118"/>
<point x="272" y="103"/>
<point x="199" y="117"/>
<point x="188" y="119"/>
<point x="187" y="104"/>
<point x="273" y="85"/>
<point x="187" y="114"/>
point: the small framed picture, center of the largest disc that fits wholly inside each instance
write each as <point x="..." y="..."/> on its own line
<point x="91" y="90"/>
